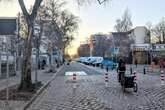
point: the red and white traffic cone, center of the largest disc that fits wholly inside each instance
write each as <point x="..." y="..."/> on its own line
<point x="106" y="80"/>
<point x="135" y="74"/>
<point x="162" y="77"/>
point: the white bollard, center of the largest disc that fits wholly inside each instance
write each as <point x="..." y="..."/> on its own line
<point x="162" y="78"/>
<point x="74" y="80"/>
<point x="135" y="74"/>
<point x="74" y="77"/>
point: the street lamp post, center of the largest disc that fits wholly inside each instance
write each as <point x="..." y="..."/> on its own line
<point x="110" y="37"/>
<point x="36" y="32"/>
<point x="132" y="54"/>
<point x="17" y="50"/>
<point x="36" y="69"/>
<point x="7" y="76"/>
<point x="114" y="47"/>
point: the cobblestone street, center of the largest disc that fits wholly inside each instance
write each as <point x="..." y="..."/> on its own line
<point x="91" y="94"/>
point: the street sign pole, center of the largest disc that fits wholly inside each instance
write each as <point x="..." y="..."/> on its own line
<point x="36" y="67"/>
<point x="7" y="76"/>
<point x="132" y="59"/>
<point x="15" y="65"/>
<point x="113" y="48"/>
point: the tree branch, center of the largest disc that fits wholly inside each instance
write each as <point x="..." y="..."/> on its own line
<point x="100" y="2"/>
<point x="24" y="10"/>
<point x="35" y="9"/>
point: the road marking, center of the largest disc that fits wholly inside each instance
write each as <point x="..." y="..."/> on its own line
<point x="78" y="73"/>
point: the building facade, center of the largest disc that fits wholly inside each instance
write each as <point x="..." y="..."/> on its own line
<point x="84" y="50"/>
<point x="129" y="45"/>
<point x="158" y="52"/>
<point x="141" y="53"/>
<point x="140" y="49"/>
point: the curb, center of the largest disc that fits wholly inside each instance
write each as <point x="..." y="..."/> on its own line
<point x="41" y="90"/>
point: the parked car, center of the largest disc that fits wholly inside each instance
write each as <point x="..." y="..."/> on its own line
<point x="87" y="60"/>
<point x="92" y="60"/>
<point x="82" y="59"/>
<point x="98" y="61"/>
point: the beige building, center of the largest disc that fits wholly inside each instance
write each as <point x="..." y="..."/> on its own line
<point x="140" y="49"/>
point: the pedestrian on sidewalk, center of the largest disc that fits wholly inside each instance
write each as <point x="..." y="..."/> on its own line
<point x="43" y="64"/>
<point x="161" y="63"/>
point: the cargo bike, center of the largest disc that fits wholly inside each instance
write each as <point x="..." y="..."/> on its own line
<point x="127" y="80"/>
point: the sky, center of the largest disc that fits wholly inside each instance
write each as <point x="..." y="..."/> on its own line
<point x="97" y="18"/>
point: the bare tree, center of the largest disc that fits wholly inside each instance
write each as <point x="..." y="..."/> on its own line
<point x="149" y="27"/>
<point x="68" y="25"/>
<point x="63" y="24"/>
<point x="40" y="23"/>
<point x="124" y="24"/>
<point x="26" y="82"/>
<point x="159" y="31"/>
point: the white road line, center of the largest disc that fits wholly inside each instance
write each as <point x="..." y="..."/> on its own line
<point x="78" y="73"/>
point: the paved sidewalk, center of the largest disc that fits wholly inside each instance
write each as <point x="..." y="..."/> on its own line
<point x="17" y="105"/>
<point x="140" y="69"/>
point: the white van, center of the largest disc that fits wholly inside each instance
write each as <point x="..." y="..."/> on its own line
<point x="98" y="61"/>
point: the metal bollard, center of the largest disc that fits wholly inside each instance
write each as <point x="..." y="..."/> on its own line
<point x="144" y="70"/>
<point x="107" y="68"/>
<point x="131" y="70"/>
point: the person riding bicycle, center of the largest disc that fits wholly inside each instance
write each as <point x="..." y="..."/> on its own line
<point x="121" y="69"/>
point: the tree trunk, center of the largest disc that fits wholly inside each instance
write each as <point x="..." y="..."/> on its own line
<point x="26" y="82"/>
